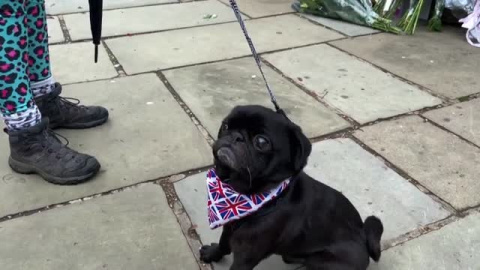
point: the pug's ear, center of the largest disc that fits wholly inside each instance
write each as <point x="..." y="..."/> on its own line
<point x="300" y="147"/>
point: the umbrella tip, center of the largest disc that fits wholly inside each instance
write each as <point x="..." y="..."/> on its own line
<point x="96" y="53"/>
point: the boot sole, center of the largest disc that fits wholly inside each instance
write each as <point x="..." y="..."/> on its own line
<point x="24" y="168"/>
<point x="91" y="124"/>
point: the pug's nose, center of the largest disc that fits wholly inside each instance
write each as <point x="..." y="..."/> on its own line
<point x="227" y="157"/>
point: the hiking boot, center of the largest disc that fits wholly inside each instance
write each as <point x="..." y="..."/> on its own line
<point x="38" y="150"/>
<point x="67" y="113"/>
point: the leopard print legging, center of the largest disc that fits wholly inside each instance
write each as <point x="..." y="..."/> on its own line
<point x="24" y="55"/>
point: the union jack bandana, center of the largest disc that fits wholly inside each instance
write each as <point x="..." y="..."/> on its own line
<point x="226" y="205"/>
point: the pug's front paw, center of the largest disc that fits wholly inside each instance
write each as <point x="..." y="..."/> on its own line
<point x="211" y="253"/>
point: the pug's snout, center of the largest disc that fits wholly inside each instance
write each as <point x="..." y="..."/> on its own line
<point x="226" y="156"/>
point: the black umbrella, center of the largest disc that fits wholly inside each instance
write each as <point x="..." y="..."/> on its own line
<point x="96" y="8"/>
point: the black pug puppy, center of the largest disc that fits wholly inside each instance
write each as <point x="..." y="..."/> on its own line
<point x="309" y="223"/>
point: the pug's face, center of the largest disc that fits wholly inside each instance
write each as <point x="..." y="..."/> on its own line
<point x="258" y="148"/>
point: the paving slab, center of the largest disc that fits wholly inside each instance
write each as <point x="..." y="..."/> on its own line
<point x="55" y="33"/>
<point x="150" y="18"/>
<point x="198" y="45"/>
<point x="346" y="28"/>
<point x="55" y="7"/>
<point x="371" y="186"/>
<point x="133" y="229"/>
<point x="351" y="85"/>
<point x="453" y="247"/>
<point x="192" y="192"/>
<point x="462" y="119"/>
<point x="439" y="160"/>
<point x="212" y="90"/>
<point x="441" y="61"/>
<point x="146" y="136"/>
<point x="261" y="8"/>
<point x="74" y="62"/>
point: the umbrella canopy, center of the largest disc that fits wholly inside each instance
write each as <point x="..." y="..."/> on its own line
<point x="96" y="9"/>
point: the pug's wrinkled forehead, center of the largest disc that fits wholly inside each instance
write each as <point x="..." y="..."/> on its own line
<point x="255" y="119"/>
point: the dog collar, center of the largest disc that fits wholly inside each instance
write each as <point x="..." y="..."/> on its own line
<point x="226" y="205"/>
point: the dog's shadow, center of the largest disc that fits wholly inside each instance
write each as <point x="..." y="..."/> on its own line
<point x="274" y="262"/>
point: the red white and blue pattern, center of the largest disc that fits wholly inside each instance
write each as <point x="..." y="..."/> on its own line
<point x="225" y="204"/>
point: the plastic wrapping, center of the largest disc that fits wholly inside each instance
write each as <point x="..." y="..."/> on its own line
<point x="472" y="23"/>
<point x="460" y="8"/>
<point x="354" y="11"/>
<point x="435" y="23"/>
<point x="409" y="21"/>
<point x="460" y="5"/>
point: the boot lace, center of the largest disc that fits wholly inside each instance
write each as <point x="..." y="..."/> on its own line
<point x="69" y="103"/>
<point x="52" y="144"/>
<point x="55" y="146"/>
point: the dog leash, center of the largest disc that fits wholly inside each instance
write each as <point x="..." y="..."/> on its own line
<point x="235" y="9"/>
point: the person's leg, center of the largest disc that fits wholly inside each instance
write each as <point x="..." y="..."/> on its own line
<point x="40" y="75"/>
<point x="61" y="112"/>
<point x="33" y="148"/>
<point x="16" y="100"/>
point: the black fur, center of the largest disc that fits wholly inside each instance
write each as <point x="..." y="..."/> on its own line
<point x="310" y="223"/>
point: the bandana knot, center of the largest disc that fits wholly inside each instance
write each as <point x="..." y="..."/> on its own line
<point x="226" y="205"/>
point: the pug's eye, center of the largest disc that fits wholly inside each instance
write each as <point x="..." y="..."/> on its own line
<point x="225" y="126"/>
<point x="261" y="143"/>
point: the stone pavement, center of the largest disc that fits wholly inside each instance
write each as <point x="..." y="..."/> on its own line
<point x="395" y="123"/>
